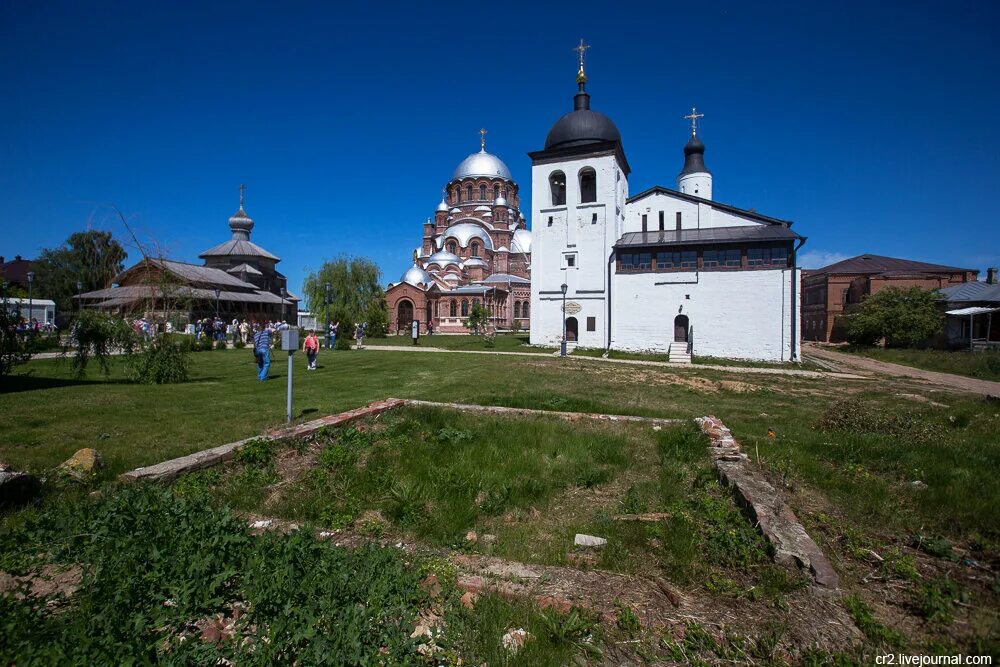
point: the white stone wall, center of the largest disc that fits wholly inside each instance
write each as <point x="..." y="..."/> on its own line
<point x="693" y="216"/>
<point x="698" y="184"/>
<point x="585" y="231"/>
<point x="735" y="314"/>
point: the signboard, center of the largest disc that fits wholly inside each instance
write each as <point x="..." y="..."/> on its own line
<point x="572" y="308"/>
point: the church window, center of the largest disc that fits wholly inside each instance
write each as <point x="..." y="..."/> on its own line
<point x="455" y="195"/>
<point x="570" y="260"/>
<point x="588" y="185"/>
<point x="452" y="248"/>
<point x="710" y="258"/>
<point x="482" y="192"/>
<point x="732" y="257"/>
<point x="475" y="250"/>
<point x="689" y="259"/>
<point x="468" y="193"/>
<point x="557" y="186"/>
<point x="465" y="307"/>
<point x="550" y="221"/>
<point x="593" y="219"/>
<point x="496" y="192"/>
<point x="626" y="261"/>
<point x="661" y="221"/>
<point x="454" y="308"/>
<point x="524" y="309"/>
<point x="678" y="220"/>
<point x="756" y="256"/>
<point x="517" y="310"/>
<point x="645" y="260"/>
<point x="591" y="324"/>
<point x="643" y="222"/>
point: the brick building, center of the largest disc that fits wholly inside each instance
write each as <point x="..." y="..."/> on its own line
<point x="829" y="291"/>
<point x="476" y="249"/>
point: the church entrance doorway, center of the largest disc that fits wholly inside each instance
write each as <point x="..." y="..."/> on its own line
<point x="404" y="315"/>
<point x="681" y="329"/>
<point x="572" y="329"/>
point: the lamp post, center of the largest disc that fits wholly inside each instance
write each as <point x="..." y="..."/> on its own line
<point x="327" y="312"/>
<point x="79" y="290"/>
<point x="217" y="292"/>
<point x="31" y="280"/>
<point x="284" y="295"/>
<point x="562" y="349"/>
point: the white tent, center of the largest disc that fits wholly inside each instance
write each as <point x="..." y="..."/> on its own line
<point x="42" y="310"/>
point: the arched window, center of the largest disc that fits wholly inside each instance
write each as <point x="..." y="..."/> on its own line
<point x="496" y="192"/>
<point x="475" y="302"/>
<point x="524" y="310"/>
<point x="475" y="249"/>
<point x="482" y="192"/>
<point x="454" y="308"/>
<point x="468" y="193"/>
<point x="458" y="195"/>
<point x="465" y="307"/>
<point x="517" y="310"/>
<point x="452" y="248"/>
<point x="557" y="184"/>
<point x="588" y="185"/>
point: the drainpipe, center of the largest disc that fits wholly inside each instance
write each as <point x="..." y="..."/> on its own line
<point x="795" y="311"/>
<point x="611" y="259"/>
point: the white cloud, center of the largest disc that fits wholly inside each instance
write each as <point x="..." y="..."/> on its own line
<point x="817" y="259"/>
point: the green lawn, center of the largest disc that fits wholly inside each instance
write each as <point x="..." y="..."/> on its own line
<point x="982" y="365"/>
<point x="467" y="342"/>
<point x="867" y="467"/>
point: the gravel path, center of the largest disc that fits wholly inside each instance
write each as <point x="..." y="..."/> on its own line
<point x="950" y="381"/>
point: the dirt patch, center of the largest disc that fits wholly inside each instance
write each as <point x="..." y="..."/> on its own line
<point x="50" y="580"/>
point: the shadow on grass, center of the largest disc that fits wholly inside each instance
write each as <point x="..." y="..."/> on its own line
<point x="18" y="383"/>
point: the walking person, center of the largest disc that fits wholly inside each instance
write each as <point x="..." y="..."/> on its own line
<point x="311" y="348"/>
<point x="359" y="334"/>
<point x="415" y="331"/>
<point x="331" y="335"/>
<point x="262" y="351"/>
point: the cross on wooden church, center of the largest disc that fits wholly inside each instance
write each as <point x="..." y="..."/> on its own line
<point x="242" y="190"/>
<point x="694" y="116"/>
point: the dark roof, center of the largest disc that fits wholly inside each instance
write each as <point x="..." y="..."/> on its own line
<point x="888" y="265"/>
<point x="191" y="273"/>
<point x="973" y="291"/>
<point x="16" y="270"/>
<point x="707" y="235"/>
<point x="505" y="278"/>
<point x="581" y="126"/>
<point x="238" y="248"/>
<point x="753" y="215"/>
<point x="694" y="157"/>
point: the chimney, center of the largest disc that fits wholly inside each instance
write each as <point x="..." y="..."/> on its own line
<point x="991" y="275"/>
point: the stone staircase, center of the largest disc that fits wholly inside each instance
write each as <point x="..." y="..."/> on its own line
<point x="678" y="354"/>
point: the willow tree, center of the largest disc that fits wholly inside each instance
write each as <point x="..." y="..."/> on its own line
<point x="356" y="295"/>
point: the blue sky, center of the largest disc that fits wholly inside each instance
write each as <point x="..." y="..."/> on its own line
<point x="871" y="125"/>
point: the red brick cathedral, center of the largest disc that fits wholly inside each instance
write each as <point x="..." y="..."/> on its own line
<point x="477" y="249"/>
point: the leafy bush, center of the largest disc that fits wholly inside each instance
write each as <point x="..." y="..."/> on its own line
<point x="478" y="319"/>
<point x="239" y="344"/>
<point x="184" y="341"/>
<point x="98" y="336"/>
<point x="221" y="344"/>
<point x="856" y="416"/>
<point x="258" y="452"/>
<point x="160" y="362"/>
<point x="343" y="343"/>
<point x="903" y="317"/>
<point x="13" y="348"/>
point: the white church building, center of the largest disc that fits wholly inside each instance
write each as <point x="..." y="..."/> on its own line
<point x="666" y="270"/>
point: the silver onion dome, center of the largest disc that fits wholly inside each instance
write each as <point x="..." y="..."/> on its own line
<point x="443" y="258"/>
<point x="464" y="232"/>
<point x="481" y="164"/>
<point x="416" y="276"/>
<point x="521" y="242"/>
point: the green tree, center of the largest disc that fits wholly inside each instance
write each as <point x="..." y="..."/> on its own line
<point x="14" y="349"/>
<point x="356" y="295"/>
<point x="92" y="257"/>
<point x="479" y="318"/>
<point x="904" y="317"/>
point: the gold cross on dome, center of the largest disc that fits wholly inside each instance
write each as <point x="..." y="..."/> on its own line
<point x="694" y="116"/>
<point x="482" y="139"/>
<point x="242" y="190"/>
<point x="581" y="49"/>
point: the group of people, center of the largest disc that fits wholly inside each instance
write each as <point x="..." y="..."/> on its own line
<point x="33" y="326"/>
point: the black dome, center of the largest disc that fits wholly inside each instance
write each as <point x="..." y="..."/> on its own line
<point x="581" y="126"/>
<point x="694" y="157"/>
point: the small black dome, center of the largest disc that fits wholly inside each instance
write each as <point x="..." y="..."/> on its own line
<point x="581" y="126"/>
<point x="694" y="157"/>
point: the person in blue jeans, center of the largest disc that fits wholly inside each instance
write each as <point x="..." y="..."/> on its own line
<point x="262" y="350"/>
